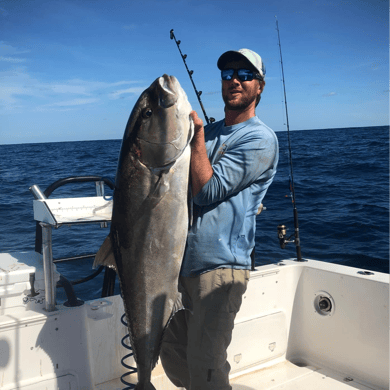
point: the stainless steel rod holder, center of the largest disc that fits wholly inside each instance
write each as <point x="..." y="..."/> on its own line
<point x="100" y="192"/>
<point x="37" y="192"/>
<point x="48" y="267"/>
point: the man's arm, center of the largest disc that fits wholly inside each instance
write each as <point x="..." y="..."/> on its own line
<point x="250" y="157"/>
<point x="201" y="169"/>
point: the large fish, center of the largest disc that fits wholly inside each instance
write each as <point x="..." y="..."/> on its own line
<point x="150" y="216"/>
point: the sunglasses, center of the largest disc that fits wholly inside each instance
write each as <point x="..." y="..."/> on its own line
<point x="242" y="74"/>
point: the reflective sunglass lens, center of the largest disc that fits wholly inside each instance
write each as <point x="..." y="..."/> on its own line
<point x="245" y="75"/>
<point x="227" y="74"/>
<point x="242" y="74"/>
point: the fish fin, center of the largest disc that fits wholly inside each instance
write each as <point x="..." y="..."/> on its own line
<point x="105" y="255"/>
<point x="178" y="305"/>
<point x="161" y="188"/>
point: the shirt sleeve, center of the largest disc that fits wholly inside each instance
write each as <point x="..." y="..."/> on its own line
<point x="251" y="158"/>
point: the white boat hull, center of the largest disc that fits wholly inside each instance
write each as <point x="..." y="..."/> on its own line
<point x="280" y="340"/>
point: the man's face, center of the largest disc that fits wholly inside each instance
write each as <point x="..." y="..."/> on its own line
<point x="239" y="95"/>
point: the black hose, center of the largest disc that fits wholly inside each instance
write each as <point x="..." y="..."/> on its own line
<point x="72" y="301"/>
<point x="93" y="275"/>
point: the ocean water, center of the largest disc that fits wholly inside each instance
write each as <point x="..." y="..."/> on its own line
<point x="341" y="187"/>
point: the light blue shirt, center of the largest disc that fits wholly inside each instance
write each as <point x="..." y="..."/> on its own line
<point x="244" y="159"/>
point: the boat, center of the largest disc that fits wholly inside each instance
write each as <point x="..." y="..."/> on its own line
<point x="302" y="325"/>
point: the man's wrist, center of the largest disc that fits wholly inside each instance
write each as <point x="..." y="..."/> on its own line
<point x="198" y="137"/>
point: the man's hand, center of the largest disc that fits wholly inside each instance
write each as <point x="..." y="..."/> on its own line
<point x="201" y="169"/>
<point x="198" y="124"/>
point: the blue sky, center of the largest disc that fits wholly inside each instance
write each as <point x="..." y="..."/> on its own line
<point x="72" y="70"/>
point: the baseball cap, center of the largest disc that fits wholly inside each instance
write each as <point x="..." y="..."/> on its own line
<point x="249" y="55"/>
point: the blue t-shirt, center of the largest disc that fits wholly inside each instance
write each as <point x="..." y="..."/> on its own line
<point x="244" y="159"/>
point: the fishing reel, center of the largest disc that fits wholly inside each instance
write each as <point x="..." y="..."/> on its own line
<point x="283" y="241"/>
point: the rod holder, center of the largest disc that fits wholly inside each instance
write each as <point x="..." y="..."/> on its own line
<point x="48" y="268"/>
<point x="100" y="192"/>
<point x="37" y="192"/>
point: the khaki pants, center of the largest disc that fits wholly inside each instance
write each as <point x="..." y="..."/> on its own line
<point x="193" y="351"/>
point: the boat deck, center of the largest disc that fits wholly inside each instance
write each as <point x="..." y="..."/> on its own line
<point x="288" y="376"/>
<point x="282" y="376"/>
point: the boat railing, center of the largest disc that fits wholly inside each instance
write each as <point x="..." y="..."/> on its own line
<point x="50" y="213"/>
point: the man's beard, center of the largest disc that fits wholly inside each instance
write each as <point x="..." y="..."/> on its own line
<point x="238" y="105"/>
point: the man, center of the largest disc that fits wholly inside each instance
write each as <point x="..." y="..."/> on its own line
<point x="233" y="162"/>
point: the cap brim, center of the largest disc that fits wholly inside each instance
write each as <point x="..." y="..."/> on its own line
<point x="231" y="55"/>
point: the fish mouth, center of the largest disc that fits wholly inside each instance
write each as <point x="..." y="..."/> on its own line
<point x="165" y="138"/>
<point x="167" y="93"/>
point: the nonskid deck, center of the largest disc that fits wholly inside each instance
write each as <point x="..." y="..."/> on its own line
<point x="282" y="376"/>
<point x="288" y="376"/>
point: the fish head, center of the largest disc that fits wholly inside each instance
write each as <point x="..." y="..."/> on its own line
<point x="159" y="127"/>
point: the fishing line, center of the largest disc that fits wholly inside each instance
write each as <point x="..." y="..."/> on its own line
<point x="282" y="228"/>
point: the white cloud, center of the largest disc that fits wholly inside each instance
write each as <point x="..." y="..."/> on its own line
<point x="15" y="83"/>
<point x="12" y="59"/>
<point x="10" y="50"/>
<point x="74" y="102"/>
<point x="68" y="89"/>
<point x="119" y="94"/>
<point x="19" y="89"/>
<point x="330" y="94"/>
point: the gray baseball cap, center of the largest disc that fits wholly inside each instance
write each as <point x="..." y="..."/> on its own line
<point x="249" y="55"/>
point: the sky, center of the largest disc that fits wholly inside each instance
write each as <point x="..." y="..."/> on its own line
<point x="72" y="70"/>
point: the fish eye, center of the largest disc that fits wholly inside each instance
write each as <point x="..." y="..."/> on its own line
<point x="147" y="112"/>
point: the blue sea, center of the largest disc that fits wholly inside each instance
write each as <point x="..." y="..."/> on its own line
<point x="341" y="188"/>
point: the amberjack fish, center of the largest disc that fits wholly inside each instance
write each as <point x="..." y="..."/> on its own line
<point x="150" y="217"/>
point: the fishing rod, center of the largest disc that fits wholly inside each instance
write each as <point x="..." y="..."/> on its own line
<point x="190" y="72"/>
<point x="282" y="228"/>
